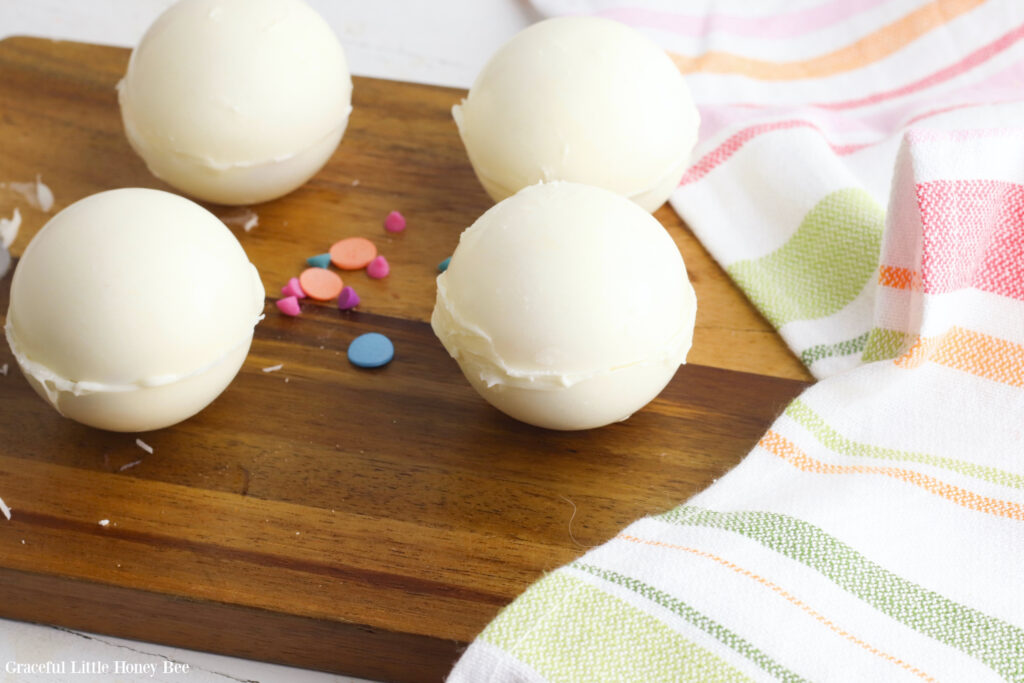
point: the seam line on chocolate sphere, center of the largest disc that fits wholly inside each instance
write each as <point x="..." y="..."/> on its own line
<point x="54" y="383"/>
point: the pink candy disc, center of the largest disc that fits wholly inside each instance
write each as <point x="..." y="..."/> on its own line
<point x="378" y="268"/>
<point x="293" y="288"/>
<point x="348" y="299"/>
<point x="289" y="305"/>
<point x="395" y="222"/>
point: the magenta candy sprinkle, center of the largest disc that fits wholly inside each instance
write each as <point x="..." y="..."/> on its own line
<point x="395" y="222"/>
<point x="378" y="268"/>
<point x="293" y="288"/>
<point x="289" y="306"/>
<point x="348" y="298"/>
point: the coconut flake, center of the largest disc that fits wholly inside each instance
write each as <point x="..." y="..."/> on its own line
<point x="44" y="194"/>
<point x="4" y="509"/>
<point x="247" y="219"/>
<point x="37" y="194"/>
<point x="9" y="229"/>
<point x="273" y="368"/>
<point x="128" y="466"/>
<point x="3" y="369"/>
<point x="104" y="522"/>
<point x="144" y="446"/>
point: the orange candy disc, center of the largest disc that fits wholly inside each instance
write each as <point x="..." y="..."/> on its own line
<point x="353" y="253"/>
<point x="320" y="284"/>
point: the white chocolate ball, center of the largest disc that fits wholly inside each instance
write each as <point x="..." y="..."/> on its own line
<point x="132" y="309"/>
<point x="236" y="101"/>
<point x="566" y="306"/>
<point x="582" y="99"/>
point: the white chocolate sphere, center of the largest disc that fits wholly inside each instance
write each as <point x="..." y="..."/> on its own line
<point x="236" y="101"/>
<point x="582" y="99"/>
<point x="566" y="306"/>
<point x="132" y="309"/>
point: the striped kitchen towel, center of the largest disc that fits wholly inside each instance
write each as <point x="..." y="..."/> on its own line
<point x="876" y="532"/>
<point x="802" y="111"/>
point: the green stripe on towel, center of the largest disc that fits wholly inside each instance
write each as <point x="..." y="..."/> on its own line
<point x="701" y="621"/>
<point x="843" y="348"/>
<point x="567" y="630"/>
<point x="884" y="344"/>
<point x="993" y="641"/>
<point x="823" y="266"/>
<point x="802" y="414"/>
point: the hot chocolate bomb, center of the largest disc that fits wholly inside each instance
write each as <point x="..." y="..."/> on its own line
<point x="236" y="101"/>
<point x="132" y="309"/>
<point x="566" y="306"/>
<point x="582" y="99"/>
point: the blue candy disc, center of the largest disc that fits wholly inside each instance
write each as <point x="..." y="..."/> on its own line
<point x="319" y="261"/>
<point x="371" y="350"/>
<point x="443" y="265"/>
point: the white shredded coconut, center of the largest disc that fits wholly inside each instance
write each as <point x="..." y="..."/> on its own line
<point x="37" y="194"/>
<point x="44" y="195"/>
<point x="129" y="465"/>
<point x="246" y="218"/>
<point x="9" y="229"/>
<point x="273" y="368"/>
<point x="4" y="509"/>
<point x="355" y="183"/>
<point x="104" y="522"/>
<point x="3" y="369"/>
<point x="144" y="446"/>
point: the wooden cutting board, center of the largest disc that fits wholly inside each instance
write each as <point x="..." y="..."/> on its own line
<point x="361" y="522"/>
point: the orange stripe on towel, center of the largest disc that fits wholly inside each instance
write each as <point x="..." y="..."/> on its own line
<point x="775" y="443"/>
<point x="899" y="278"/>
<point x="869" y="49"/>
<point x="992" y="358"/>
<point x="789" y="597"/>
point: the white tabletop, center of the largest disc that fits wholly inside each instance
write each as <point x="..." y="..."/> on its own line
<point x="442" y="42"/>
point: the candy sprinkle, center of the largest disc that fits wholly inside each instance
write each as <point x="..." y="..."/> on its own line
<point x="378" y="268"/>
<point x="293" y="288"/>
<point x="348" y="299"/>
<point x="443" y="265"/>
<point x="353" y="253"/>
<point x="320" y="284"/>
<point x="371" y="350"/>
<point x="395" y="222"/>
<point x="289" y="306"/>
<point x="319" y="261"/>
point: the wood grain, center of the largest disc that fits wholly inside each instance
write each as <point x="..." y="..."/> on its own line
<point x="362" y="522"/>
